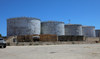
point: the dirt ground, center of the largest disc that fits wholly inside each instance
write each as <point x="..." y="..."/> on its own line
<point x="68" y="51"/>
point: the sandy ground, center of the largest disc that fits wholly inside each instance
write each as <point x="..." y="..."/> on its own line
<point x="76" y="51"/>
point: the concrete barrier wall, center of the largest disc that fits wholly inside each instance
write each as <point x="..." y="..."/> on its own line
<point x="53" y="39"/>
<point x="92" y="39"/>
<point x="48" y="38"/>
<point x="70" y="38"/>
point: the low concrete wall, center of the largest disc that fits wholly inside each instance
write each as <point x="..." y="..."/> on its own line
<point x="50" y="43"/>
<point x="70" y="38"/>
<point x="92" y="39"/>
<point x="74" y="40"/>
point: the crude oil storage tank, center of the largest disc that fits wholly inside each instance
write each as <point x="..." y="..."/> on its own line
<point x="73" y="29"/>
<point x="88" y="31"/>
<point x="23" y="26"/>
<point x="52" y="27"/>
<point x="97" y="33"/>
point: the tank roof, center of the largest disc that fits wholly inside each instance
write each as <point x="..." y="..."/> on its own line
<point x="73" y="25"/>
<point x="89" y="26"/>
<point x="22" y="18"/>
<point x="97" y="29"/>
<point x="52" y="22"/>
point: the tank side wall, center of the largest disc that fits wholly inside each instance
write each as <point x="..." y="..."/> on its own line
<point x="73" y="30"/>
<point x="88" y="31"/>
<point x="53" y="28"/>
<point x="23" y="27"/>
<point x="97" y="33"/>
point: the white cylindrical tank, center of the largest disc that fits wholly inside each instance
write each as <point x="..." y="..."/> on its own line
<point x="73" y="29"/>
<point x="23" y="26"/>
<point x="53" y="27"/>
<point x="97" y="33"/>
<point x="88" y="31"/>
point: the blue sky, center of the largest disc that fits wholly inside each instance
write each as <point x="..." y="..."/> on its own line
<point x="85" y="12"/>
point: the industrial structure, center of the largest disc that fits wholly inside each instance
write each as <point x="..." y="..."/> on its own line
<point x="28" y="29"/>
<point x="88" y="31"/>
<point x="23" y="26"/>
<point x="73" y="29"/>
<point x="53" y="27"/>
<point x="33" y="26"/>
